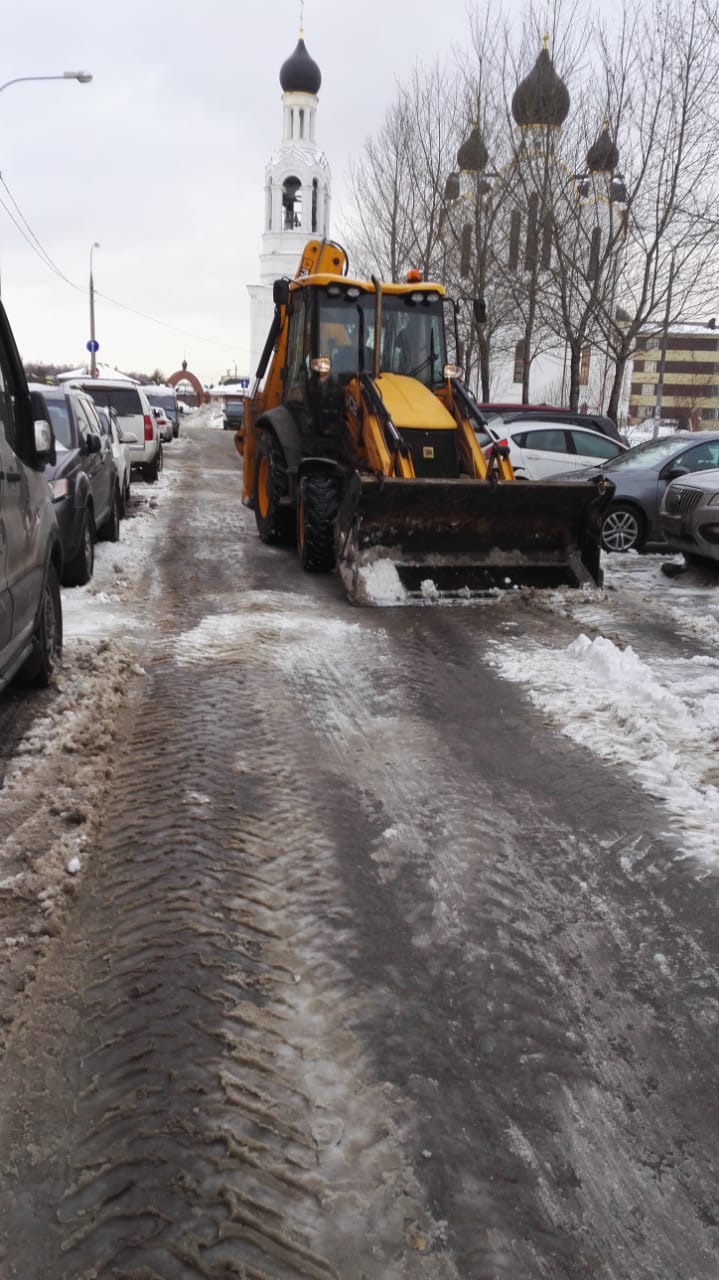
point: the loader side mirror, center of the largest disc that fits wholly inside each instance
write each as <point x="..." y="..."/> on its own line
<point x="281" y="292"/>
<point x="479" y="308"/>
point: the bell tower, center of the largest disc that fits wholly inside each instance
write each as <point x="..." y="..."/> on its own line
<point x="297" y="190"/>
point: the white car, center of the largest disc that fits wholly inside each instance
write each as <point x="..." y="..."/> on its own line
<point x="538" y="450"/>
<point x="164" y="423"/>
<point x="134" y="413"/>
<point x="120" y="442"/>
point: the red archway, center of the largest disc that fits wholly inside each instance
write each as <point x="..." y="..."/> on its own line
<point x="184" y="375"/>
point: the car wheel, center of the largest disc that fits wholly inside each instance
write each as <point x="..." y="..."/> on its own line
<point x="79" y="570"/>
<point x="316" y="510"/>
<point x="40" y="668"/>
<point x="623" y="528"/>
<point x="275" y="522"/>
<point x="110" y="530"/>
<point x="152" y="470"/>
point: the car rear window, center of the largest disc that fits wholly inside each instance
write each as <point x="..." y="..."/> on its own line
<point x="168" y="403"/>
<point x="124" y="400"/>
<point x="60" y="420"/>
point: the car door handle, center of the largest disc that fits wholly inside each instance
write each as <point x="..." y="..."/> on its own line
<point x="13" y="475"/>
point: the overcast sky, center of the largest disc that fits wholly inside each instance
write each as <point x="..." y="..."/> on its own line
<point x="161" y="158"/>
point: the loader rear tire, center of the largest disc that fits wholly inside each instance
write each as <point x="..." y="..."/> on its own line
<point x="317" y="504"/>
<point x="275" y="523"/>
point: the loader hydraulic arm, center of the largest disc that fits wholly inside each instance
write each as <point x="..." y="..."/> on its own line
<point x="400" y="458"/>
<point x="466" y="412"/>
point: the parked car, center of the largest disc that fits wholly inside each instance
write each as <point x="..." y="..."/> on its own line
<point x="134" y="413"/>
<point x="30" y="547"/>
<point x="640" y="476"/>
<point x="83" y="481"/>
<point x="166" y="398"/>
<point x="120" y="443"/>
<point x="164" y="424"/>
<point x="539" y="450"/>
<point x="549" y="413"/>
<point x="689" y="516"/>
<point x="234" y="416"/>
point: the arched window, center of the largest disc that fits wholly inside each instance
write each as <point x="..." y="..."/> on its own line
<point x="302" y="122"/>
<point x="315" y="187"/>
<point x="291" y="203"/>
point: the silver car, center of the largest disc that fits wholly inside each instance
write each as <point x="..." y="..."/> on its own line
<point x="689" y="516"/>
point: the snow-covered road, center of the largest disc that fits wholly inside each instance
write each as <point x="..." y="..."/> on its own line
<point x="450" y="875"/>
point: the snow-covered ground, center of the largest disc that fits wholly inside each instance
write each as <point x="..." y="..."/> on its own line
<point x="654" y="716"/>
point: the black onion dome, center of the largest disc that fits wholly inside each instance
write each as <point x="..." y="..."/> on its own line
<point x="542" y="98"/>
<point x="299" y="73"/>
<point x="473" y="155"/>
<point x="603" y="156"/>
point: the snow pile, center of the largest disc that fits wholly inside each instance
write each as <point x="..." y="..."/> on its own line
<point x="375" y="582"/>
<point x="660" y="724"/>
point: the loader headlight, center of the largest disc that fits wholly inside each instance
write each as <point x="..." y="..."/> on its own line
<point x="453" y="371"/>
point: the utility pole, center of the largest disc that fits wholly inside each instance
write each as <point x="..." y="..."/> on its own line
<point x="663" y="356"/>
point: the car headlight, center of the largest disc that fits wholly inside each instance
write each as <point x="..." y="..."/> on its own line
<point x="713" y="501"/>
<point x="59" y="489"/>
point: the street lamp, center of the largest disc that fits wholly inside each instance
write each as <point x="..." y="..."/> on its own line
<point x="82" y="77"/>
<point x="92" y="344"/>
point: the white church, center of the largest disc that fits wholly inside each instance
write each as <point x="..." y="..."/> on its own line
<point x="297" y="191"/>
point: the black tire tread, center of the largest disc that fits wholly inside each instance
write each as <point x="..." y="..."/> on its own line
<point x="319" y="509"/>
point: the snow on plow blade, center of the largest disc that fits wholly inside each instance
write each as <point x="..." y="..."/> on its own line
<point x="469" y="537"/>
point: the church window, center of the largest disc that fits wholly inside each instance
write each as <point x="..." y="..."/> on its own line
<point x="519" y="361"/>
<point x="515" y="228"/>
<point x="291" y="204"/>
<point x="546" y="258"/>
<point x="584" y="362"/>
<point x="530" y="254"/>
<point x="302" y="122"/>
<point x="593" y="268"/>
<point x="314" y="204"/>
<point x="465" y="265"/>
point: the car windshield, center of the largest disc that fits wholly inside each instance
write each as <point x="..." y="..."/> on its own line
<point x="61" y="425"/>
<point x="650" y="454"/>
<point x="412" y="334"/>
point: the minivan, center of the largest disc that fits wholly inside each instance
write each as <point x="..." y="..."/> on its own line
<point x="30" y="548"/>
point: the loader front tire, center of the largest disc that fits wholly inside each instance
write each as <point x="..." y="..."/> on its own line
<point x="317" y="504"/>
<point x="275" y="523"/>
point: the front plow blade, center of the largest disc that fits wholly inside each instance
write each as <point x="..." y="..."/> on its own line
<point x="468" y="537"/>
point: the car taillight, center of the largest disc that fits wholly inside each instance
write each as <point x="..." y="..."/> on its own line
<point x="148" y="426"/>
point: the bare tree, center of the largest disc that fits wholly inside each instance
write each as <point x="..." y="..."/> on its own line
<point x="398" y="182"/>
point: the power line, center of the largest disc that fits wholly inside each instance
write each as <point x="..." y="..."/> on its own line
<point x="34" y="243"/>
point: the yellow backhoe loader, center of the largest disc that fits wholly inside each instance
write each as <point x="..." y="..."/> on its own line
<point x="361" y="443"/>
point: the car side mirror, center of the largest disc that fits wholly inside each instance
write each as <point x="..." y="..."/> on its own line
<point x="281" y="292"/>
<point x="675" y="472"/>
<point x="93" y="444"/>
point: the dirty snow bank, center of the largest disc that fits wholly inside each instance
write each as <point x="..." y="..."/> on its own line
<point x="661" y="724"/>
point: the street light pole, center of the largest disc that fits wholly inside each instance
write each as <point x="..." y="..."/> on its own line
<point x="92" y="344"/>
<point x="665" y="339"/>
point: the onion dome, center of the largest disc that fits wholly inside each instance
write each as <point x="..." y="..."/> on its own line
<point x="472" y="155"/>
<point x="603" y="156"/>
<point x="299" y="73"/>
<point x="542" y="98"/>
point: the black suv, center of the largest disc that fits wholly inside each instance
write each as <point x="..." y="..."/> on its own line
<point x="30" y="548"/>
<point x="83" y="481"/>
